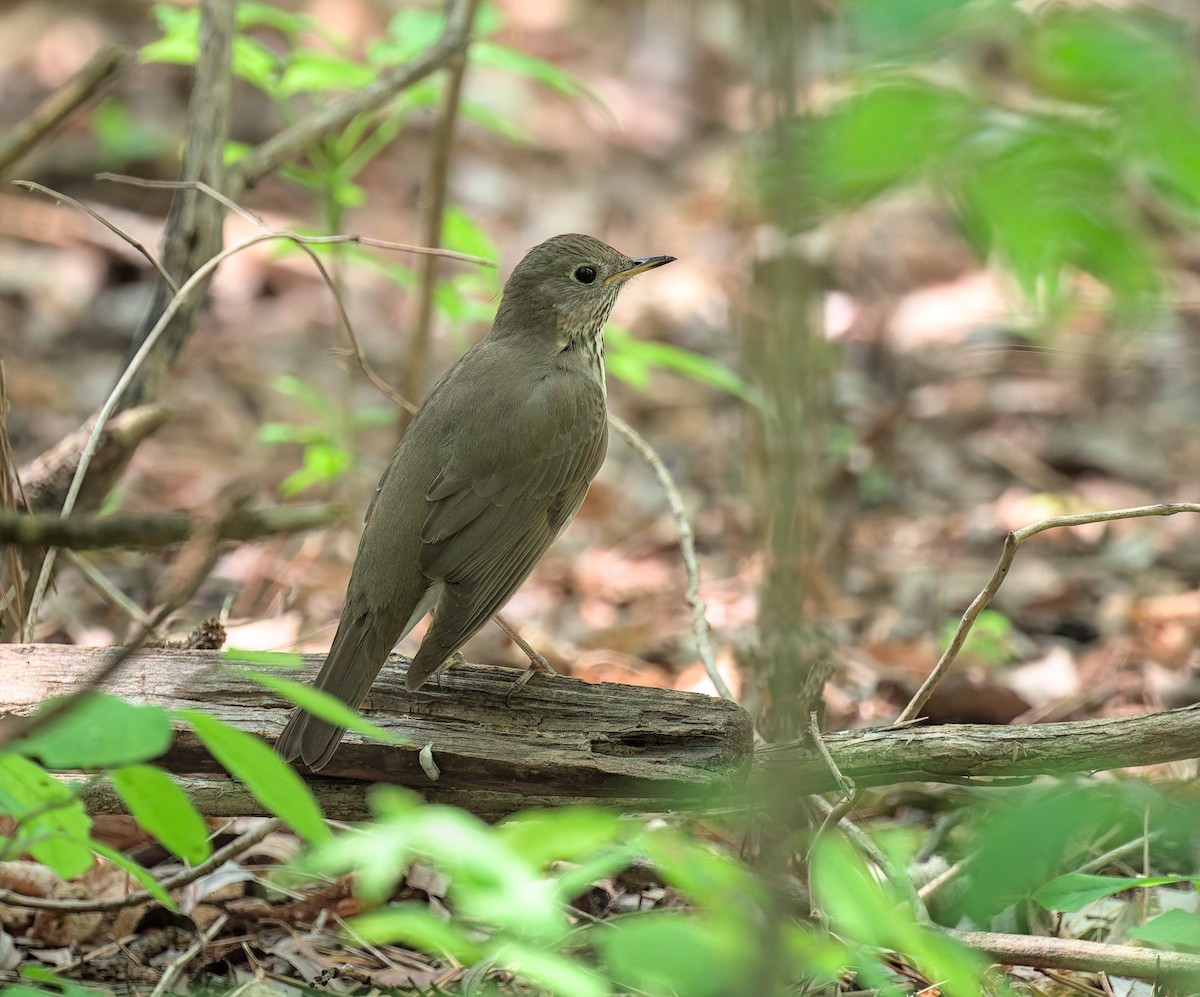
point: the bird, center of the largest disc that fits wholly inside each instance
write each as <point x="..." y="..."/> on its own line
<point x="492" y="468"/>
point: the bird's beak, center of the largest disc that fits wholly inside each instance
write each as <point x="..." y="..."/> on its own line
<point x="640" y="265"/>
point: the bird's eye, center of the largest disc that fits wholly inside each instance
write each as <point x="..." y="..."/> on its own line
<point x="585" y="275"/>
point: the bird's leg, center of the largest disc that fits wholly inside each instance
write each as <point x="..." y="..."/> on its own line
<point x="537" y="664"/>
<point x="455" y="659"/>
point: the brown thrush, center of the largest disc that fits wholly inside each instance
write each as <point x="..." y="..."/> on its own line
<point x="494" y="465"/>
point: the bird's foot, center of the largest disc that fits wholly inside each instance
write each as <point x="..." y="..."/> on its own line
<point x="455" y="659"/>
<point x="537" y="666"/>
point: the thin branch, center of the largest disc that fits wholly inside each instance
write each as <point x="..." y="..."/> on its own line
<point x="111" y="226"/>
<point x="289" y="144"/>
<point x="687" y="546"/>
<point x="1009" y="551"/>
<point x="166" y="982"/>
<point x="10" y="490"/>
<point x="240" y="844"/>
<point x="354" y="238"/>
<point x="162" y="530"/>
<point x="101" y="68"/>
<point x="1072" y="953"/>
<point x="413" y="379"/>
<point x="108" y="589"/>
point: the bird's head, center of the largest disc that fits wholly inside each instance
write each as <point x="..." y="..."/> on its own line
<point x="564" y="289"/>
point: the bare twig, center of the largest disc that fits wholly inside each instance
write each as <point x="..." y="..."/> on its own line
<point x="242" y="843"/>
<point x="354" y="238"/>
<point x="110" y="225"/>
<point x="355" y="350"/>
<point x="413" y="378"/>
<point x="194" y="563"/>
<point x="1011" y="543"/>
<point x="101" y="68"/>
<point x="1072" y="953"/>
<point x="163" y="530"/>
<point x="687" y="546"/>
<point x="107" y="589"/>
<point x="166" y="982"/>
<point x="10" y="488"/>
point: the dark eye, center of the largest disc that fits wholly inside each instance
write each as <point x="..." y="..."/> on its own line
<point x="585" y="275"/>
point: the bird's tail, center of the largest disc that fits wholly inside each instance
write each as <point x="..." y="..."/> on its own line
<point x="354" y="660"/>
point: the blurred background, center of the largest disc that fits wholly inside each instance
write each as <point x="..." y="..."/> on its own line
<point x="937" y="280"/>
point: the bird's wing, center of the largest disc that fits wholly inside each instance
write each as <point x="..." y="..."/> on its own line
<point x="489" y="524"/>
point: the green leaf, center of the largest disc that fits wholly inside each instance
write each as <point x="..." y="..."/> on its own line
<point x="554" y="972"/>
<point x="1176" y="928"/>
<point x="272" y="781"/>
<point x="52" y="824"/>
<point x="883" y="136"/>
<point x="1095" y="55"/>
<point x="555" y="78"/>
<point x="626" y="354"/>
<point x="266" y="15"/>
<point x="887" y="26"/>
<point x="1046" y="196"/>
<point x="570" y="834"/>
<point x="416" y="925"/>
<point x="310" y="71"/>
<point x="162" y="808"/>
<point x="501" y="124"/>
<point x="1075" y="890"/>
<point x="666" y="953"/>
<point x="410" y="32"/>
<point x="256" y="64"/>
<point x="139" y="873"/>
<point x="322" y="704"/>
<point x="269" y="659"/>
<point x="100" y="732"/>
<point x="857" y="905"/>
<point x="461" y="233"/>
<point x="293" y="387"/>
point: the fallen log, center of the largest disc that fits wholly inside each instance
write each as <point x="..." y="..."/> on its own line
<point x="560" y="741"/>
<point x="564" y="741"/>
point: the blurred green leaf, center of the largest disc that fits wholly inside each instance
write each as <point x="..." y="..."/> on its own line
<point x="158" y="804"/>
<point x="409" y="33"/>
<point x="1097" y="55"/>
<point x="321" y="704"/>
<point x="556" y="973"/>
<point x="1177" y="929"/>
<point x="884" y="26"/>
<point x="416" y="925"/>
<point x="555" y="78"/>
<point x="51" y="824"/>
<point x="124" y="138"/>
<point x="268" y="777"/>
<point x="568" y="834"/>
<point x="1047" y="197"/>
<point x="310" y="71"/>
<point x="632" y="360"/>
<point x="270" y="659"/>
<point x="884" y="135"/>
<point x="1075" y="890"/>
<point x="463" y="234"/>
<point x="101" y="731"/>
<point x="662" y="953"/>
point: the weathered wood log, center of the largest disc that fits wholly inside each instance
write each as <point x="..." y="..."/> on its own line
<point x="565" y="741"/>
<point x="559" y="741"/>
